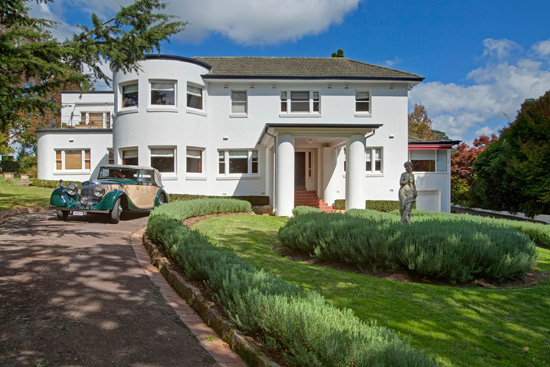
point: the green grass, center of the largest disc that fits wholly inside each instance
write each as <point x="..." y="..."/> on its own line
<point x="459" y="326"/>
<point x="13" y="196"/>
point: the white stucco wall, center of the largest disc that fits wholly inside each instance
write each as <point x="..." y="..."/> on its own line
<point x="74" y="103"/>
<point x="98" y="141"/>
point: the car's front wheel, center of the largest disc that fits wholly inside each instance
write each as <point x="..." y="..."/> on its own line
<point x="116" y="212"/>
<point x="62" y="214"/>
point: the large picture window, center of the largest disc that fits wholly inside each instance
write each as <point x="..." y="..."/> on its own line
<point x="429" y="160"/>
<point x="130" y="157"/>
<point x="130" y="95"/>
<point x="194" y="160"/>
<point x="194" y="97"/>
<point x="163" y="159"/>
<point x="163" y="93"/>
<point x="72" y="159"/>
<point x="238" y="102"/>
<point x="300" y="102"/>
<point x="238" y="162"/>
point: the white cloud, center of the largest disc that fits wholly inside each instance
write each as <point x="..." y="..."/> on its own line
<point x="488" y="131"/>
<point x="392" y="62"/>
<point x="499" y="87"/>
<point x="542" y="49"/>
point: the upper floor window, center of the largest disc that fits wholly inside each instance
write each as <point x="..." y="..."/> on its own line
<point x="238" y="102"/>
<point x="194" y="97"/>
<point x="362" y="102"/>
<point x="130" y="95"/>
<point x="300" y="102"/>
<point x="163" y="93"/>
<point x="72" y="159"/>
<point x="237" y="162"/>
<point x="96" y="119"/>
<point x="374" y="160"/>
<point x="429" y="160"/>
<point x="163" y="159"/>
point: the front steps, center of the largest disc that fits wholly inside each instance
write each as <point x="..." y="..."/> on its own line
<point x="309" y="198"/>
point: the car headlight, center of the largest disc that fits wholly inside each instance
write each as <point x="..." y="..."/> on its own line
<point x="99" y="191"/>
<point x="72" y="189"/>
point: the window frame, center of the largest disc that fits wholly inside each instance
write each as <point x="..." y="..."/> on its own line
<point x="253" y="160"/>
<point x="122" y="107"/>
<point x="234" y="113"/>
<point x="191" y="109"/>
<point x="127" y="149"/>
<point x="363" y="113"/>
<point x="83" y="161"/>
<point x="373" y="160"/>
<point x="174" y="158"/>
<point x="202" y="165"/>
<point x="314" y="103"/>
<point x="157" y="107"/>
<point x="435" y="160"/>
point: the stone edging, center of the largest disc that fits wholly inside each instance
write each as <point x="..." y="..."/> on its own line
<point x="227" y="330"/>
<point x="12" y="213"/>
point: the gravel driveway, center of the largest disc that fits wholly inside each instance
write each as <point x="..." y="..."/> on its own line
<point x="73" y="294"/>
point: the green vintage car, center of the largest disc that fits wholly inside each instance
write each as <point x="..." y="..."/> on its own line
<point x="116" y="189"/>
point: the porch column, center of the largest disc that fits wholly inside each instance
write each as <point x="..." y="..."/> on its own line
<point x="355" y="172"/>
<point x="284" y="176"/>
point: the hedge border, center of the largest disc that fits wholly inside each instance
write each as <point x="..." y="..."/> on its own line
<point x="227" y="330"/>
<point x="378" y="205"/>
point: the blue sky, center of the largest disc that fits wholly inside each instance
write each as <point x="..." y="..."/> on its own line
<point x="481" y="59"/>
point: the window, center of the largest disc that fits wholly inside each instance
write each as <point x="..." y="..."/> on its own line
<point x="362" y="102"/>
<point x="163" y="159"/>
<point x="111" y="156"/>
<point x="374" y="160"/>
<point x="130" y="157"/>
<point x="194" y="97"/>
<point x="96" y="119"/>
<point x="300" y="102"/>
<point x="428" y="160"/>
<point x="163" y="93"/>
<point x="194" y="160"/>
<point x="237" y="162"/>
<point x="130" y="95"/>
<point x="72" y="159"/>
<point x="238" y="102"/>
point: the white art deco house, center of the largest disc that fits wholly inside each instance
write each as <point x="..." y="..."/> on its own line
<point x="286" y="128"/>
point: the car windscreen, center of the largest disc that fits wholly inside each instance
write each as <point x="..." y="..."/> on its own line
<point x="117" y="173"/>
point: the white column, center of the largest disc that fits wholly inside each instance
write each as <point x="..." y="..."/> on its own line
<point x="355" y="172"/>
<point x="284" y="176"/>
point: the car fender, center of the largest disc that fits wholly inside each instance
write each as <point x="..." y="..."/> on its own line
<point x="60" y="198"/>
<point x="159" y="193"/>
<point x="108" y="201"/>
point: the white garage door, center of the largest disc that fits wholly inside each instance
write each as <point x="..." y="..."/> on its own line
<point x="429" y="201"/>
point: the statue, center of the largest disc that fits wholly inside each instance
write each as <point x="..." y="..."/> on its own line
<point x="407" y="193"/>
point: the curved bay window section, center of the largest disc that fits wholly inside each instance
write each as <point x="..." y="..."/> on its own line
<point x="130" y="95"/>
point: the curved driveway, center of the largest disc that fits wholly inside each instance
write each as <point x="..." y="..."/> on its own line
<point x="73" y="294"/>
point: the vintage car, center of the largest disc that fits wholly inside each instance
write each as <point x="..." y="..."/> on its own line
<point x="116" y="189"/>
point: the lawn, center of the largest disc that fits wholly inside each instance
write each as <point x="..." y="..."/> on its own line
<point x="15" y="196"/>
<point x="469" y="326"/>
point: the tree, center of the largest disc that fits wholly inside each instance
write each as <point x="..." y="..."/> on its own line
<point x="515" y="174"/>
<point x="420" y="126"/>
<point x="34" y="65"/>
<point x="339" y="53"/>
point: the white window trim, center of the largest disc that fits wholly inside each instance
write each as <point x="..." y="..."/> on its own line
<point x="227" y="175"/>
<point x="173" y="174"/>
<point x="196" y="175"/>
<point x="196" y="111"/>
<point x="238" y="114"/>
<point x="132" y="109"/>
<point x="289" y="113"/>
<point x="74" y="171"/>
<point x="159" y="107"/>
<point x="362" y="113"/>
<point x="435" y="160"/>
<point x="373" y="171"/>
<point x="105" y="114"/>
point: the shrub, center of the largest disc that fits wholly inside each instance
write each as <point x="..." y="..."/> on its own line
<point x="26" y="163"/>
<point x="51" y="183"/>
<point x="313" y="331"/>
<point x="455" y="250"/>
<point x="299" y="210"/>
<point x="253" y="200"/>
<point x="181" y="210"/>
<point x="379" y="205"/>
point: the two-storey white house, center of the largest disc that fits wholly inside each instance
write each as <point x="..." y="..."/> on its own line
<point x="265" y="126"/>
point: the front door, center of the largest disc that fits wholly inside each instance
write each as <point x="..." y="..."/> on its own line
<point x="300" y="169"/>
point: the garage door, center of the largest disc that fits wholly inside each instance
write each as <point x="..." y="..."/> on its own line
<point x="429" y="201"/>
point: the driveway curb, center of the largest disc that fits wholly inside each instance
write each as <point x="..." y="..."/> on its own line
<point x="12" y="213"/>
<point x="238" y="342"/>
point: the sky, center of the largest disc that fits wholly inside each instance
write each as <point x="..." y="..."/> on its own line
<point x="480" y="59"/>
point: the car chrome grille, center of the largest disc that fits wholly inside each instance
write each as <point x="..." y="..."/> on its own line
<point x="87" y="191"/>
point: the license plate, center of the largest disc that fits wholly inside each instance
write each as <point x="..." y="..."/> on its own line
<point x="78" y="213"/>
